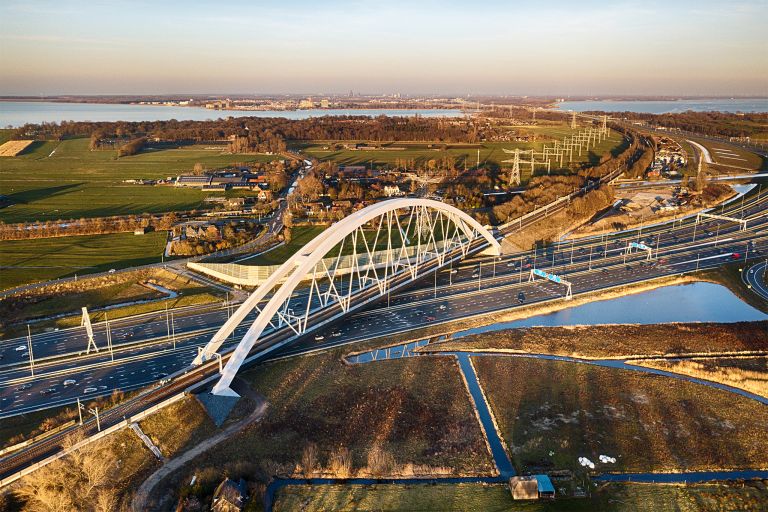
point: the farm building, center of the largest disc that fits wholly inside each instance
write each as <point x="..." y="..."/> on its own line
<point x="531" y="487"/>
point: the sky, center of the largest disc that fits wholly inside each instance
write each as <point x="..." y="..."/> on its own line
<point x="417" y="47"/>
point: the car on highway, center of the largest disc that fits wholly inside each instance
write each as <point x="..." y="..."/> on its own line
<point x="20" y="348"/>
<point x="520" y="298"/>
<point x="512" y="264"/>
<point x="736" y="255"/>
<point x="47" y="391"/>
<point x="112" y="271"/>
<point x="24" y="387"/>
<point x="319" y="337"/>
<point x="475" y="274"/>
<point x="441" y="307"/>
<point x="454" y="271"/>
<point x="336" y="334"/>
<point x="69" y="382"/>
<point x="89" y="390"/>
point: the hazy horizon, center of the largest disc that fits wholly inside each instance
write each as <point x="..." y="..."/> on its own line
<point x="559" y="49"/>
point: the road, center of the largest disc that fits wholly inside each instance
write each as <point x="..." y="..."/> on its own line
<point x="474" y="287"/>
<point x="755" y="278"/>
<point x="143" y="352"/>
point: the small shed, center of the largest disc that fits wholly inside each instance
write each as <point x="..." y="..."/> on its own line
<point x="524" y="488"/>
<point x="545" y="487"/>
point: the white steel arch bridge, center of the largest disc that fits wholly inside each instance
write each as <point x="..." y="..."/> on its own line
<point x="383" y="247"/>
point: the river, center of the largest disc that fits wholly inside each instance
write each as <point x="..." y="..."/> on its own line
<point x="669" y="106"/>
<point x="694" y="302"/>
<point x="16" y="113"/>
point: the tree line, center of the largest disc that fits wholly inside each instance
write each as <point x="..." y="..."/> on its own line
<point x="85" y="226"/>
<point x="723" y="124"/>
<point x="262" y="134"/>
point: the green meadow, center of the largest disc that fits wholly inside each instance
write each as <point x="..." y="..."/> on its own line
<point x="41" y="259"/>
<point x="64" y="180"/>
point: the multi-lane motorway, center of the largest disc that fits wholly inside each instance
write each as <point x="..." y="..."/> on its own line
<point x="474" y="287"/>
<point x="144" y="353"/>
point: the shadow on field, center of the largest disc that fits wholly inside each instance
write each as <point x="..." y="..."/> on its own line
<point x="36" y="194"/>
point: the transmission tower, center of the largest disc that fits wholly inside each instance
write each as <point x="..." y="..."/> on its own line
<point x="514" y="177"/>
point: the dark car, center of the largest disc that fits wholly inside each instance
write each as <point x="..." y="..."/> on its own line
<point x="48" y="391"/>
<point x="23" y="387"/>
<point x="520" y="297"/>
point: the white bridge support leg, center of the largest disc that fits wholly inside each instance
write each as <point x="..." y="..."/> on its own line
<point x="416" y="234"/>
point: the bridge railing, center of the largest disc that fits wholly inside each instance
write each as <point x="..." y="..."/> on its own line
<point x="254" y="275"/>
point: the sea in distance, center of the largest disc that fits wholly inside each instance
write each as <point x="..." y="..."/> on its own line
<point x="17" y="113"/>
<point x="669" y="106"/>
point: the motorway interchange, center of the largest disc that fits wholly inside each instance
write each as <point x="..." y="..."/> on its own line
<point x="144" y="353"/>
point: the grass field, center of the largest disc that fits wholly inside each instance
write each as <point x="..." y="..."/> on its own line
<point x="616" y="341"/>
<point x="748" y="373"/>
<point x="550" y="413"/>
<point x="396" y="406"/>
<point x="65" y="180"/>
<point x="496" y="498"/>
<point x="28" y="261"/>
<point x="491" y="153"/>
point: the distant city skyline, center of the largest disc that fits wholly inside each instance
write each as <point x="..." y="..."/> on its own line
<point x="557" y="49"/>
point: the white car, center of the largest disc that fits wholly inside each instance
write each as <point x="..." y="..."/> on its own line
<point x="20" y="348"/>
<point x="89" y="390"/>
<point x="336" y="334"/>
<point x="319" y="337"/>
<point x="454" y="271"/>
<point x="111" y="271"/>
<point x="70" y="382"/>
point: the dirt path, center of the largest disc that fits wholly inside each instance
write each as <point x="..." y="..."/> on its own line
<point x="141" y="499"/>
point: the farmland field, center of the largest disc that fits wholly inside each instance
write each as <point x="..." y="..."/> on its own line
<point x="550" y="413"/>
<point x="64" y="180"/>
<point x="28" y="261"/>
<point x="14" y="147"/>
<point x="496" y="498"/>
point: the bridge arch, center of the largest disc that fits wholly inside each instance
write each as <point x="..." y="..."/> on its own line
<point x="442" y="233"/>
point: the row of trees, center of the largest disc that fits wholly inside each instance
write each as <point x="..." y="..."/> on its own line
<point x="83" y="226"/>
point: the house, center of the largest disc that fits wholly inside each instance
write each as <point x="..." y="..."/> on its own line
<point x="229" y="496"/>
<point x="264" y="195"/>
<point x="235" y="202"/>
<point x="531" y="487"/>
<point x="392" y="191"/>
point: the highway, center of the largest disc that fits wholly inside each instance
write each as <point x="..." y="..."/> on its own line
<point x="143" y="353"/>
<point x="474" y="287"/>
